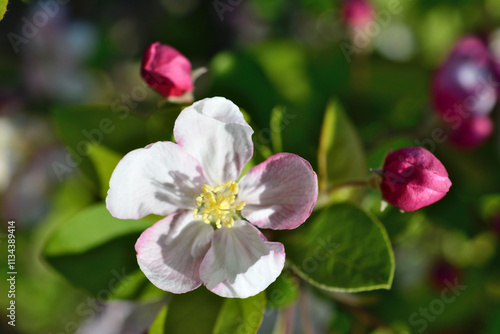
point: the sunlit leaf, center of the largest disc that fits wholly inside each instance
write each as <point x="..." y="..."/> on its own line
<point x="159" y="323"/>
<point x="341" y="156"/>
<point x="342" y="248"/>
<point x="241" y="315"/>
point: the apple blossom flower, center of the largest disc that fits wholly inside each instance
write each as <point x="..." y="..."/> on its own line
<point x="209" y="235"/>
<point x="167" y="70"/>
<point x="413" y="178"/>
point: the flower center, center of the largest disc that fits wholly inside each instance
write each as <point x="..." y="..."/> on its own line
<point x="217" y="204"/>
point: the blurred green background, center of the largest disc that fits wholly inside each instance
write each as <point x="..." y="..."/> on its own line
<point x="83" y="64"/>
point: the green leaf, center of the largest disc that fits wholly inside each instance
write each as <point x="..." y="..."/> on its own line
<point x="95" y="251"/>
<point x="341" y="156"/>
<point x="113" y="127"/>
<point x="159" y="323"/>
<point x="200" y="312"/>
<point x="283" y="292"/>
<point x="194" y="312"/>
<point x="105" y="161"/>
<point x="137" y="287"/>
<point x="342" y="248"/>
<point x="3" y="8"/>
<point x="241" y="315"/>
<point x="90" y="228"/>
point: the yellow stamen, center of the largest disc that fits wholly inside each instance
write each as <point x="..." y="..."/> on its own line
<point x="241" y="206"/>
<point x="206" y="188"/>
<point x="217" y="204"/>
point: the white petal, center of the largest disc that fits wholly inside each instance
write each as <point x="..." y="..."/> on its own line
<point x="158" y="179"/>
<point x="170" y="252"/>
<point x="279" y="193"/>
<point x="241" y="262"/>
<point x="214" y="131"/>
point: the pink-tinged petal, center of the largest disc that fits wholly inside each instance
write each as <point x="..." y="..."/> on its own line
<point x="166" y="70"/>
<point x="241" y="262"/>
<point x="214" y="131"/>
<point x="158" y="179"/>
<point x="279" y="193"/>
<point x="169" y="253"/>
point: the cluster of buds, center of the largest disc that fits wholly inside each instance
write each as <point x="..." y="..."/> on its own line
<point x="465" y="91"/>
<point x="412" y="177"/>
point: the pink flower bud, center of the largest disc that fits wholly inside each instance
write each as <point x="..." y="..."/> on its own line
<point x="472" y="132"/>
<point x="356" y="13"/>
<point x="166" y="70"/>
<point x="466" y="83"/>
<point x="413" y="178"/>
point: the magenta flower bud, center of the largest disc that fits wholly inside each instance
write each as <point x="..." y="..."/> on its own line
<point x="356" y="13"/>
<point x="466" y="83"/>
<point x="413" y="178"/>
<point x="472" y="132"/>
<point x="166" y="70"/>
